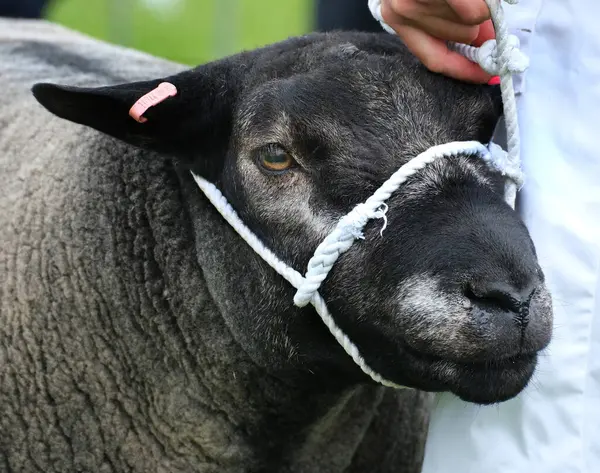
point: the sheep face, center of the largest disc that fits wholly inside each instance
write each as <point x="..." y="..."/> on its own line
<point x="449" y="298"/>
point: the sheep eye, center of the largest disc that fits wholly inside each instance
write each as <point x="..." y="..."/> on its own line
<point x="274" y="158"/>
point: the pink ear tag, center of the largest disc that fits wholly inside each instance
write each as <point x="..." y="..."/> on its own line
<point x="152" y="98"/>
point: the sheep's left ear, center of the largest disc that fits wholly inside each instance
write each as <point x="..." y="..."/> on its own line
<point x="190" y="124"/>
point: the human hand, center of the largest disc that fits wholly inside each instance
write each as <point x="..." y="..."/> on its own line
<point x="425" y="26"/>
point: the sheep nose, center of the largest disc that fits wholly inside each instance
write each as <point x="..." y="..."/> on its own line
<point x="502" y="296"/>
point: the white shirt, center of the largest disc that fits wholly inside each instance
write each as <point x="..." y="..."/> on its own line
<point x="554" y="425"/>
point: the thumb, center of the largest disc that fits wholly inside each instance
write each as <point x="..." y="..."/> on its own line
<point x="436" y="56"/>
<point x="470" y="12"/>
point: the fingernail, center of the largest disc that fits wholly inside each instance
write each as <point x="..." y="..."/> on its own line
<point x="494" y="80"/>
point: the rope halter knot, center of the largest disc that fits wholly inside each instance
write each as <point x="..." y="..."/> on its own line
<point x="502" y="162"/>
<point x="349" y="228"/>
<point x="511" y="61"/>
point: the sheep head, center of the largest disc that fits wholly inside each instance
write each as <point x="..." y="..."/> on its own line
<point x="450" y="298"/>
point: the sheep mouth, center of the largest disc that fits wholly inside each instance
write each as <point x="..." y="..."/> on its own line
<point x="481" y="382"/>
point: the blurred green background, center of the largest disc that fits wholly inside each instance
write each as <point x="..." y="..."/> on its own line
<point x="186" y="31"/>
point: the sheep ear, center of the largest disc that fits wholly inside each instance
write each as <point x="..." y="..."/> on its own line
<point x="187" y="124"/>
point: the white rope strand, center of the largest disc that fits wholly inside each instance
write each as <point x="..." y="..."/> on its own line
<point x="507" y="58"/>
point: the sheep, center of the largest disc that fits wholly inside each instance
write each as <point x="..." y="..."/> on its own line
<point x="139" y="333"/>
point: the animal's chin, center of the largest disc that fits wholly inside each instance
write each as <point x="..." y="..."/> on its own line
<point x="486" y="382"/>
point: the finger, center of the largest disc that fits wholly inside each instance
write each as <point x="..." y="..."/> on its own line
<point x="447" y="30"/>
<point x="486" y="32"/>
<point x="432" y="16"/>
<point x="399" y="10"/>
<point x="436" y="56"/>
<point x="471" y="12"/>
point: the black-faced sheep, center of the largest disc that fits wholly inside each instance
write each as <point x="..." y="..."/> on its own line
<point x="139" y="333"/>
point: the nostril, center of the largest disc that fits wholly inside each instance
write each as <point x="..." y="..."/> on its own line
<point x="500" y="296"/>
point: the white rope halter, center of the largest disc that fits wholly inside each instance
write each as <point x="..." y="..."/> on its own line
<point x="500" y="58"/>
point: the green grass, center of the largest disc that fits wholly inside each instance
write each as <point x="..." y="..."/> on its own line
<point x="195" y="32"/>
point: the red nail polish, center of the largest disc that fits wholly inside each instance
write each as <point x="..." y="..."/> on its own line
<point x="494" y="80"/>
